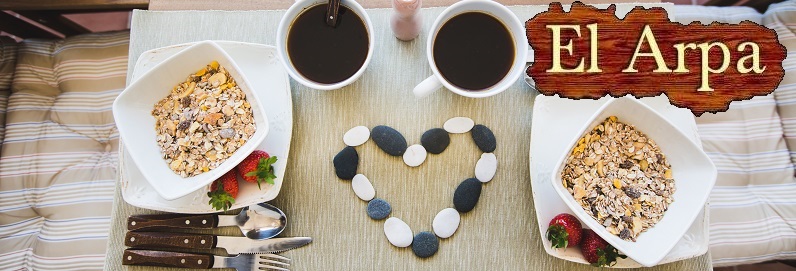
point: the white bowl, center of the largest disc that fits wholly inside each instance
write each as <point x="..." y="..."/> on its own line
<point x="694" y="176"/>
<point x="132" y="111"/>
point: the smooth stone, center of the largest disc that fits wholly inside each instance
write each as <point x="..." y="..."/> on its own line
<point x="435" y="140"/>
<point x="486" y="167"/>
<point x="389" y="140"/>
<point x="346" y="163"/>
<point x="446" y="222"/>
<point x="363" y="188"/>
<point x="425" y="244"/>
<point x="415" y="155"/>
<point x="484" y="138"/>
<point x="466" y="195"/>
<point x="458" y="125"/>
<point x="356" y="136"/>
<point x="398" y="232"/>
<point x="379" y="209"/>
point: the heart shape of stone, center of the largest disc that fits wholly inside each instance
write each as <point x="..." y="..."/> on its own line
<point x="434" y="141"/>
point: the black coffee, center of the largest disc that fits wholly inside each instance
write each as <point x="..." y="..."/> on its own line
<point x="326" y="54"/>
<point x="473" y="51"/>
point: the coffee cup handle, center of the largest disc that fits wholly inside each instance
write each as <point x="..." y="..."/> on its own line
<point x="427" y="87"/>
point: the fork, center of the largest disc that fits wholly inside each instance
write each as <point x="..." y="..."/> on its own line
<point x="241" y="262"/>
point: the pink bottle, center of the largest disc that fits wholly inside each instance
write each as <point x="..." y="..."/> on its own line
<point x="406" y="20"/>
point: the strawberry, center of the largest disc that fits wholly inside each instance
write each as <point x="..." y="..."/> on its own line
<point x="257" y="167"/>
<point x="564" y="231"/>
<point x="223" y="191"/>
<point x="597" y="251"/>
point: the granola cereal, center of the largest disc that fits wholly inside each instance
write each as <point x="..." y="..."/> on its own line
<point x="620" y="178"/>
<point x="203" y="121"/>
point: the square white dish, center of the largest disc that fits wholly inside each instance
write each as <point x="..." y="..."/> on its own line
<point x="553" y="117"/>
<point x="132" y="112"/>
<point x="692" y="170"/>
<point x="269" y="79"/>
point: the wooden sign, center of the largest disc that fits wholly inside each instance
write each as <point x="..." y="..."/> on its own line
<point x="589" y="53"/>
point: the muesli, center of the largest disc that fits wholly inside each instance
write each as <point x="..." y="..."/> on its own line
<point x="620" y="177"/>
<point x="203" y="121"/>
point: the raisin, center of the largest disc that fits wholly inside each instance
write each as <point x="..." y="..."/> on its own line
<point x="184" y="124"/>
<point x="632" y="192"/>
<point x="186" y="101"/>
<point x="627" y="219"/>
<point x="626" y="164"/>
<point x="625" y="234"/>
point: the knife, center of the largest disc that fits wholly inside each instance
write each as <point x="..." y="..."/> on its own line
<point x="233" y="245"/>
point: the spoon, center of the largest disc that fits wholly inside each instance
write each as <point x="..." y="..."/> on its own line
<point x="332" y="12"/>
<point x="529" y="81"/>
<point x="260" y="221"/>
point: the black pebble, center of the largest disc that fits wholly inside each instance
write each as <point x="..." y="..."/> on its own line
<point x="389" y="140"/>
<point x="425" y="244"/>
<point x="435" y="140"/>
<point x="466" y="195"/>
<point x="379" y="209"/>
<point x="484" y="138"/>
<point x="346" y="163"/>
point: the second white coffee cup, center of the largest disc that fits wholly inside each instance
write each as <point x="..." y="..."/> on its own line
<point x="496" y="10"/>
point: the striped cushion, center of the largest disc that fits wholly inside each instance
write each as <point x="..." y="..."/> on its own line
<point x="782" y="18"/>
<point x="58" y="161"/>
<point x="8" y="59"/>
<point x="752" y="214"/>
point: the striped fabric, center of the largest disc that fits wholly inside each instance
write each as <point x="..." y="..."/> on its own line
<point x="752" y="207"/>
<point x="8" y="59"/>
<point x="58" y="161"/>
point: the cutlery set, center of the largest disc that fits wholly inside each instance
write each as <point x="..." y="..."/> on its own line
<point x="259" y="223"/>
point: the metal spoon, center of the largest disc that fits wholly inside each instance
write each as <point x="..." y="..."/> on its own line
<point x="261" y="221"/>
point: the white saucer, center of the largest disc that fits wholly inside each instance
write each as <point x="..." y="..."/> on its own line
<point x="260" y="65"/>
<point x="552" y="117"/>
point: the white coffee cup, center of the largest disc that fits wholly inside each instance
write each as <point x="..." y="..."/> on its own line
<point x="505" y="16"/>
<point x="284" y="28"/>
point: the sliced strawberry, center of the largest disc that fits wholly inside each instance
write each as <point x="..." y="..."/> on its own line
<point x="223" y="191"/>
<point x="564" y="231"/>
<point x="257" y="167"/>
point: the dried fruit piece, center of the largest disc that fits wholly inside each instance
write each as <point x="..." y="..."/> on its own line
<point x="213" y="118"/>
<point x="217" y="79"/>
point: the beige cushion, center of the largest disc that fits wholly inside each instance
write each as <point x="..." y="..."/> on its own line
<point x="752" y="214"/>
<point x="58" y="166"/>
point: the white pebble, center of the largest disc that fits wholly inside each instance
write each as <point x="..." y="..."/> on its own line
<point x="363" y="188"/>
<point x="458" y="125"/>
<point x="415" y="155"/>
<point x="356" y="136"/>
<point x="486" y="167"/>
<point x="398" y="232"/>
<point x="446" y="222"/>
